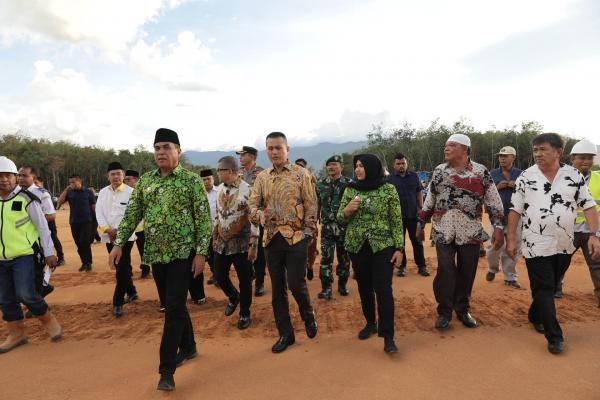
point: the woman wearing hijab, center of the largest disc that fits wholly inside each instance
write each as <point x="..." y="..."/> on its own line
<point x="371" y="210"/>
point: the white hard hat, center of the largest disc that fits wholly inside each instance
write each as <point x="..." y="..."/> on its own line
<point x="7" y="165"/>
<point x="584" y="147"/>
<point x="459" y="138"/>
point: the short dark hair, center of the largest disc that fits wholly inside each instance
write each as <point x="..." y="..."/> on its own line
<point x="553" y="139"/>
<point x="399" y="156"/>
<point x="302" y="162"/>
<point x="275" y="135"/>
<point x="31" y="169"/>
<point x="75" y="176"/>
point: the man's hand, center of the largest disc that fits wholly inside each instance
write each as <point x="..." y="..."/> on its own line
<point x="397" y="258"/>
<point x="594" y="247"/>
<point x="511" y="249"/>
<point x="112" y="233"/>
<point x="252" y="254"/>
<point x="198" y="264"/>
<point x="498" y="238"/>
<point x="114" y="257"/>
<point x="51" y="261"/>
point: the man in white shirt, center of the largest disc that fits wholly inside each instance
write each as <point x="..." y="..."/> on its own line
<point x="546" y="198"/>
<point x="110" y="209"/>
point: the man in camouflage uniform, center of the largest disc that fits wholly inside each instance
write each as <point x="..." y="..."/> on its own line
<point x="329" y="192"/>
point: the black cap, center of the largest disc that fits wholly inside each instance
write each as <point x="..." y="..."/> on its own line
<point x="247" y="149"/>
<point x="334" y="158"/>
<point x="206" y="172"/>
<point x="131" y="172"/>
<point x="114" y="165"/>
<point x="166" y="135"/>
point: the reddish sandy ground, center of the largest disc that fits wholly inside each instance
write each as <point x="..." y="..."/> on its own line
<point x="102" y="357"/>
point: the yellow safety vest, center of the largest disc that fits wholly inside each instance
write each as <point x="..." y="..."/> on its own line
<point x="594" y="188"/>
<point x="17" y="232"/>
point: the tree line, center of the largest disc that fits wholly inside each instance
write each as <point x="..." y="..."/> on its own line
<point x="56" y="161"/>
<point x="424" y="147"/>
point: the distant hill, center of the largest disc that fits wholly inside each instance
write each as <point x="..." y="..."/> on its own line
<point x="316" y="155"/>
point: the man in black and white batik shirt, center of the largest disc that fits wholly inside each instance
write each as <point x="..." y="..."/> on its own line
<point x="545" y="201"/>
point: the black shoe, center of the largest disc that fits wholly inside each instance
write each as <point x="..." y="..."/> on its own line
<point x="310" y="273"/>
<point x="367" y="331"/>
<point x="199" y="301"/>
<point x="559" y="294"/>
<point x="513" y="284"/>
<point x="118" y="311"/>
<point x="311" y="327"/>
<point x="211" y="281"/>
<point x="46" y="290"/>
<point x="556" y="347"/>
<point x="424" y="271"/>
<point x="259" y="290"/>
<point x="145" y="274"/>
<point x="389" y="346"/>
<point x="131" y="298"/>
<point x="60" y="262"/>
<point x="490" y="276"/>
<point x="325" y="294"/>
<point x="231" y="307"/>
<point x="539" y="327"/>
<point x="401" y="272"/>
<point x="88" y="267"/>
<point x="282" y="343"/>
<point x="342" y="289"/>
<point x="442" y="322"/>
<point x="243" y="322"/>
<point x="482" y="253"/>
<point x="467" y="320"/>
<point x="82" y="268"/>
<point x="183" y="356"/>
<point x="166" y="382"/>
<point x="29" y="314"/>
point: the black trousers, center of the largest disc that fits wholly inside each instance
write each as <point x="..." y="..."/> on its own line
<point x="410" y="225"/>
<point x="544" y="276"/>
<point x="123" y="274"/>
<point x="139" y="243"/>
<point x="453" y="282"/>
<point x="83" y="235"/>
<point x="373" y="273"/>
<point x="57" y="244"/>
<point x="260" y="262"/>
<point x="287" y="267"/>
<point x="173" y="280"/>
<point x="243" y="268"/>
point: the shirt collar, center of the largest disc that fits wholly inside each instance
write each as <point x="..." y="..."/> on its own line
<point x="120" y="188"/>
<point x="176" y="171"/>
<point x="288" y="165"/>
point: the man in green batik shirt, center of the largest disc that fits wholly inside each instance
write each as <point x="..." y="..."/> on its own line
<point x="329" y="191"/>
<point x="172" y="202"/>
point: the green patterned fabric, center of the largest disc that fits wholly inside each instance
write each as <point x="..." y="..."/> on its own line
<point x="378" y="219"/>
<point x="176" y="216"/>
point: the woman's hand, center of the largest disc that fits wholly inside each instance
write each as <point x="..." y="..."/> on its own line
<point x="352" y="207"/>
<point x="397" y="258"/>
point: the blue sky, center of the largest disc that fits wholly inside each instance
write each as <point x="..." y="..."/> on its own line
<point x="225" y="73"/>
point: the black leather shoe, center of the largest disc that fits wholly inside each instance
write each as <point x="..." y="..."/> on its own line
<point x="325" y="294"/>
<point x="490" y="276"/>
<point x="199" y="301"/>
<point x="389" y="346"/>
<point x="211" y="281"/>
<point x="183" y="356"/>
<point x="442" y="322"/>
<point x="342" y="289"/>
<point x="243" y="322"/>
<point x="311" y="327"/>
<point x="539" y="327"/>
<point x="82" y="268"/>
<point x="556" y="347"/>
<point x="118" y="311"/>
<point x="231" y="308"/>
<point x="166" y="382"/>
<point x="424" y="271"/>
<point x="47" y="289"/>
<point x="282" y="343"/>
<point x="145" y="274"/>
<point x="131" y="299"/>
<point x="310" y="273"/>
<point x="467" y="320"/>
<point x="367" y="331"/>
<point x="60" y="262"/>
<point x="259" y="290"/>
<point x="401" y="272"/>
<point x="88" y="267"/>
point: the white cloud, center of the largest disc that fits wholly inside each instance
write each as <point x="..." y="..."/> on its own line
<point x="109" y="25"/>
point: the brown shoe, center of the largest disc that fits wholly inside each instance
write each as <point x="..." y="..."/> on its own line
<point x="16" y="336"/>
<point x="51" y="325"/>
